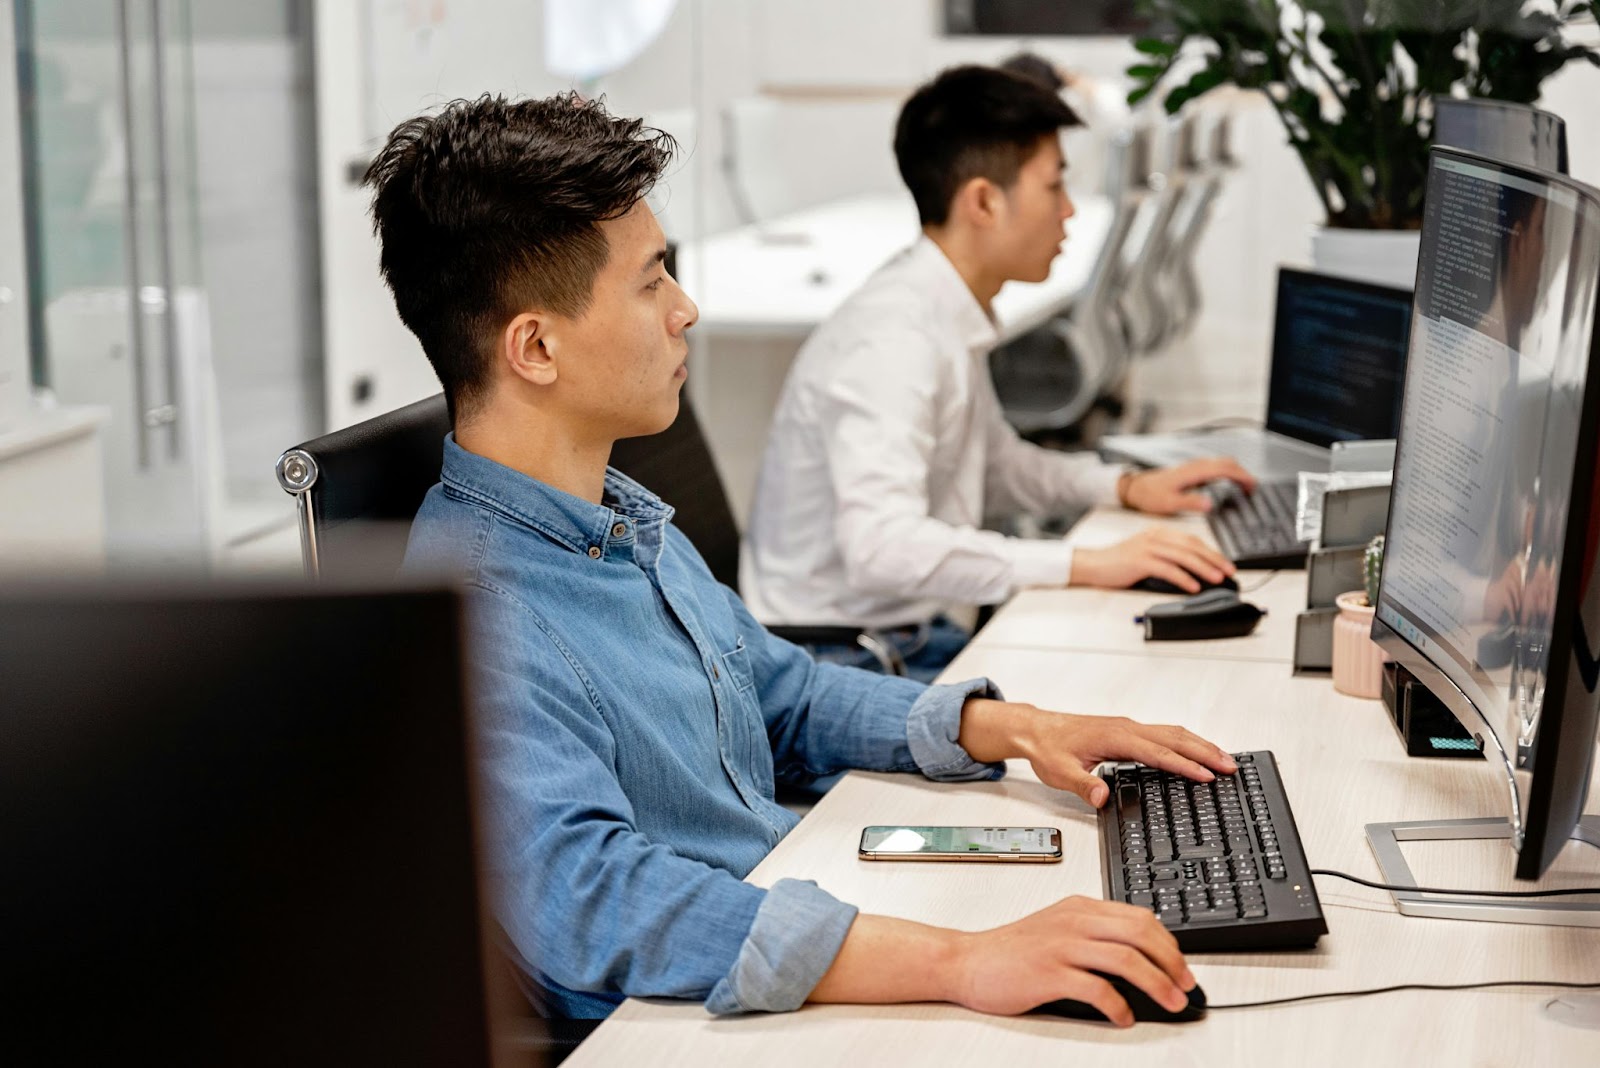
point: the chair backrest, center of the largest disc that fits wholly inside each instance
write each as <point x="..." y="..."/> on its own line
<point x="358" y="489"/>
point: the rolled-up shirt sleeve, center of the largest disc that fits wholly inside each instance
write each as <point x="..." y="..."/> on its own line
<point x="797" y="933"/>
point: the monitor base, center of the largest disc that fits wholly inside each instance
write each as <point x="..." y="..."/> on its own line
<point x="1385" y="839"/>
<point x="1575" y="1010"/>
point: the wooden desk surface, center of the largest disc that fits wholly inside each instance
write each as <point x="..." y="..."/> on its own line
<point x="1090" y="620"/>
<point x="1342" y="767"/>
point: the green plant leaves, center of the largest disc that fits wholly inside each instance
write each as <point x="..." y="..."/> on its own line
<point x="1368" y="66"/>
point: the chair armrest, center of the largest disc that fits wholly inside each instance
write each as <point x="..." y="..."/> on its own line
<point x="874" y="642"/>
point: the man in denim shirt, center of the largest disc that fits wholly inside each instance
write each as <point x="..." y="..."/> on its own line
<point x="633" y="715"/>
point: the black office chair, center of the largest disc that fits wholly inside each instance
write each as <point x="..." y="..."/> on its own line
<point x="358" y="489"/>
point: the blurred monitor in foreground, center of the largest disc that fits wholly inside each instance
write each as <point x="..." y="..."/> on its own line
<point x="238" y="829"/>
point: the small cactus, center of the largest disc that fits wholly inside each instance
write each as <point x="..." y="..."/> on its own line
<point x="1372" y="568"/>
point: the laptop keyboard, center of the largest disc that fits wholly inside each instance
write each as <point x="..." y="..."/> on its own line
<point x="1258" y="530"/>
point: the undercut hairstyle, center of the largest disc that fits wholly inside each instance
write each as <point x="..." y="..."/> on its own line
<point x="972" y="122"/>
<point x="490" y="208"/>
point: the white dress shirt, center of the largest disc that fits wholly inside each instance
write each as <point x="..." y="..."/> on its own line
<point x="887" y="449"/>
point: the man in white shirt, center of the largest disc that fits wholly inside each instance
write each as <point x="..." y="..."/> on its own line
<point x="888" y="446"/>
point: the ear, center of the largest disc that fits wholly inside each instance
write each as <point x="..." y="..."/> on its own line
<point x="528" y="350"/>
<point x="977" y="203"/>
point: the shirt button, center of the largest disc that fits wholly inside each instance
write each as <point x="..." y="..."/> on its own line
<point x="715" y="673"/>
<point x="619" y="530"/>
<point x="594" y="552"/>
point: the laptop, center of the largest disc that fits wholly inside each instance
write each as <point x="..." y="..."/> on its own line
<point x="1338" y="362"/>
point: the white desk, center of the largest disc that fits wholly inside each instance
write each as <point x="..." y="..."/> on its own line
<point x="783" y="276"/>
<point x="1342" y="768"/>
<point x="1102" y="620"/>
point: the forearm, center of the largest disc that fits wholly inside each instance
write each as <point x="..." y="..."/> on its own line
<point x="885" y="960"/>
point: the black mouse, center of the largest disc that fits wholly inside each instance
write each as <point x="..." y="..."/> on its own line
<point x="1145" y="1009"/>
<point x="1160" y="585"/>
<point x="1216" y="613"/>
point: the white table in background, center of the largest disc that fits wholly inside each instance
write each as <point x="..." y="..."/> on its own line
<point x="783" y="276"/>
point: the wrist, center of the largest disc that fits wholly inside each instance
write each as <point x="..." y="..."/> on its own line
<point x="1124" y="486"/>
<point x="993" y="731"/>
<point x="1085" y="567"/>
<point x="953" y="967"/>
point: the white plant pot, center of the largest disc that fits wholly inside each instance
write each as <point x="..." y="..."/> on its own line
<point x="1385" y="257"/>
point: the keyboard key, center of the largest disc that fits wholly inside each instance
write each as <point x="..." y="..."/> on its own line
<point x="1211" y="915"/>
<point x="1142" y="898"/>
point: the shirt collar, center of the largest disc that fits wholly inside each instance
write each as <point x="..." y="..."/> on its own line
<point x="972" y="325"/>
<point x="578" y="524"/>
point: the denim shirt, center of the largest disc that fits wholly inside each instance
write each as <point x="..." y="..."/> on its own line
<point x="632" y="717"/>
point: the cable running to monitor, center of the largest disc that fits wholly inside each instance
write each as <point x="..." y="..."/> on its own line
<point x="1575" y="891"/>
<point x="1550" y="983"/>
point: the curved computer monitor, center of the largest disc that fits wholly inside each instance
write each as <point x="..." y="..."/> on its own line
<point x="1512" y="133"/>
<point x="1490" y="594"/>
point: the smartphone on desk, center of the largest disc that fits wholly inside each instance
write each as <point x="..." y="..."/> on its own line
<point x="1040" y="845"/>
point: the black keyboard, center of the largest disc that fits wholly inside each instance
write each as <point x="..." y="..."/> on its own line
<point x="1258" y="530"/>
<point x="1219" y="863"/>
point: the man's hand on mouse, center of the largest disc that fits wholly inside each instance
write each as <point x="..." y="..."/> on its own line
<point x="1053" y="954"/>
<point x="1154" y="553"/>
<point x="1170" y="490"/>
<point x="1064" y="748"/>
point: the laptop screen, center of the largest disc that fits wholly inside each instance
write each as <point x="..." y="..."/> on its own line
<point x="1338" y="358"/>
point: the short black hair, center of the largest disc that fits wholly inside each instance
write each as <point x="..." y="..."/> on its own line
<point x="1033" y="65"/>
<point x="971" y="122"/>
<point x="490" y="207"/>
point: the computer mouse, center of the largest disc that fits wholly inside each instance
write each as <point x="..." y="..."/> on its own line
<point x="1160" y="585"/>
<point x="1145" y="1009"/>
<point x="1216" y="613"/>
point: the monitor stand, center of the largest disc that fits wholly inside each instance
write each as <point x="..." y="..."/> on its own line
<point x="1385" y="839"/>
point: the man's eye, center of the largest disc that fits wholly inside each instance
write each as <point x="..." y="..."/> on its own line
<point x="656" y="284"/>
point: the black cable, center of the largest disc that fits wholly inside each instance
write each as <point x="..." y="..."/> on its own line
<point x="1552" y="983"/>
<point x="1574" y="891"/>
<point x="1260" y="582"/>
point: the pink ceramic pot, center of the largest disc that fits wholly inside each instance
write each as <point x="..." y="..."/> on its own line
<point x="1357" y="660"/>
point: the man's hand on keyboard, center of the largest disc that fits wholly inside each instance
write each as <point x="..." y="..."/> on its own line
<point x="1153" y="553"/>
<point x="1064" y="748"/>
<point x="1170" y="490"/>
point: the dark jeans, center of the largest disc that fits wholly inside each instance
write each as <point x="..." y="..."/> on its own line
<point x="927" y="648"/>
